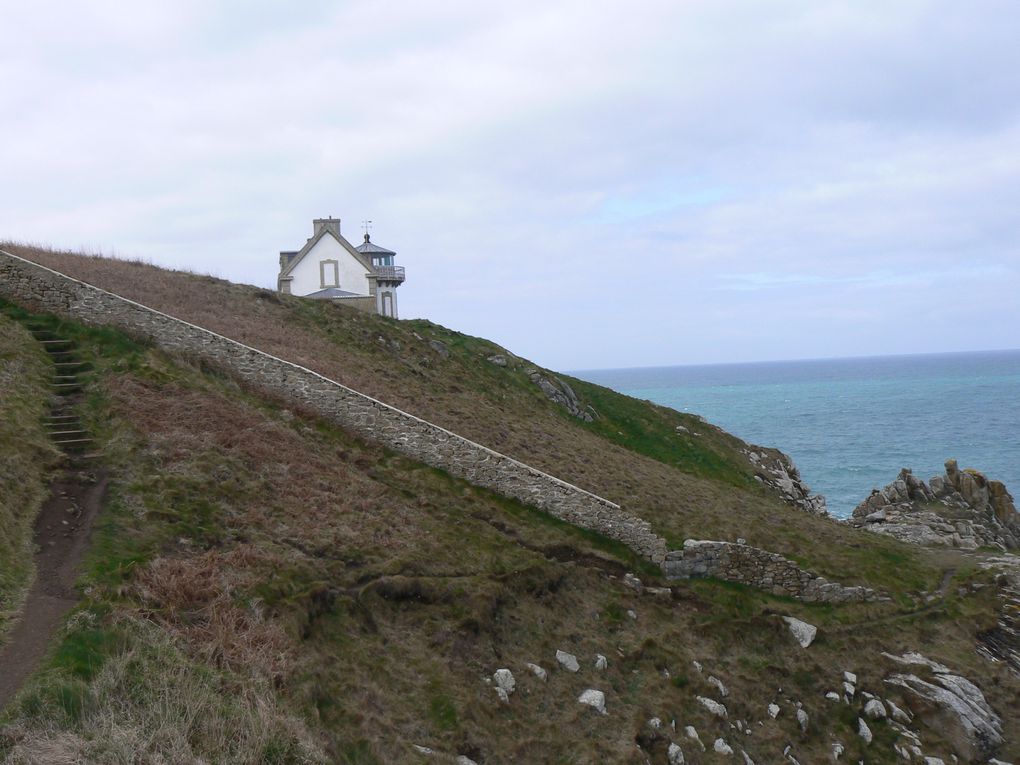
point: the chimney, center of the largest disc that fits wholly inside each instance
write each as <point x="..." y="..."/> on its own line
<point x="330" y="224"/>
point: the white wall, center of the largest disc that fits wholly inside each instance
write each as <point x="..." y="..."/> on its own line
<point x="306" y="279"/>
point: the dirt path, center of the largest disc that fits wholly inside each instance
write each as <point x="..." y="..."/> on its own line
<point x="62" y="528"/>
<point x="62" y="533"/>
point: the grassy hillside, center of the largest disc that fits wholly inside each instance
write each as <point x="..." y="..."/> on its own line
<point x="264" y="588"/>
<point x="25" y="455"/>
<point x="686" y="485"/>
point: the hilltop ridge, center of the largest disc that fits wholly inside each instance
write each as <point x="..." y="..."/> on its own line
<point x="357" y="597"/>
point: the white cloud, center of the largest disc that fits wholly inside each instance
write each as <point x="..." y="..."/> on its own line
<point x="594" y="185"/>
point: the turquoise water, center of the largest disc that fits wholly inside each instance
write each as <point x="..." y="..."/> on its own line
<point x="851" y="424"/>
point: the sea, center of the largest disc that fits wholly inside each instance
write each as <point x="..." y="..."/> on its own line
<point x="850" y="424"/>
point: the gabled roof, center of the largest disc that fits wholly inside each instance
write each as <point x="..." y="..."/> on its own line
<point x="364" y="260"/>
<point x="371" y="248"/>
<point x="333" y="292"/>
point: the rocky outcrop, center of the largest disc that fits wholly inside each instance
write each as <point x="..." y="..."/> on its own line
<point x="961" y="508"/>
<point x="559" y="392"/>
<point x="777" y="471"/>
<point x="951" y="704"/>
<point x="759" y="568"/>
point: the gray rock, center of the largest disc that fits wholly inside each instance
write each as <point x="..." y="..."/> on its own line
<point x="837" y="750"/>
<point x="559" y="392"/>
<point x="981" y="511"/>
<point x="462" y="760"/>
<point x="715" y="681"/>
<point x="537" y="671"/>
<point x="803" y="632"/>
<point x="601" y="662"/>
<point x="504" y="679"/>
<point x="692" y="734"/>
<point x="773" y="711"/>
<point x="955" y="706"/>
<point x="633" y="582"/>
<point x="568" y="661"/>
<point x="498" y="359"/>
<point x="503" y="695"/>
<point x="655" y="723"/>
<point x="864" y="731"/>
<point x="875" y="710"/>
<point x="802" y="720"/>
<point x="713" y="706"/>
<point x="440" y="347"/>
<point x="722" y="747"/>
<point x="675" y="755"/>
<point x="594" y="699"/>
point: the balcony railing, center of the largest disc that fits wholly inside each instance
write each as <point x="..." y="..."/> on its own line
<point x="389" y="273"/>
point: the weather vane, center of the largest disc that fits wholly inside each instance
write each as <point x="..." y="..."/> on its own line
<point x="366" y="225"/>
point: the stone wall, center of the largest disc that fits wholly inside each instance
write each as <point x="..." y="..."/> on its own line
<point x="757" y="568"/>
<point x="35" y="286"/>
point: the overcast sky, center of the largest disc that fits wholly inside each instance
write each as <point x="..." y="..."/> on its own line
<point x="592" y="184"/>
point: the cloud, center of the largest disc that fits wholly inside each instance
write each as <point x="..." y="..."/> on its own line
<point x="594" y="186"/>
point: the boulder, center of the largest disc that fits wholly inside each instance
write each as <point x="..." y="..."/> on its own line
<point x="955" y="706"/>
<point x="773" y="711"/>
<point x="864" y="731"/>
<point x="803" y="632"/>
<point x="537" y="671"/>
<point x="675" y="755"/>
<point x="594" y="699"/>
<point x="718" y="684"/>
<point x="961" y="509"/>
<point x="802" y="720"/>
<point x="713" y="706"/>
<point x="601" y="662"/>
<point x="568" y="661"/>
<point x="692" y="734"/>
<point x="875" y="710"/>
<point x="504" y="678"/>
<point x="722" y="747"/>
<point x="498" y="359"/>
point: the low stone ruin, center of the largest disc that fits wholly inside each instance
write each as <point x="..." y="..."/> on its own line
<point x="962" y="509"/>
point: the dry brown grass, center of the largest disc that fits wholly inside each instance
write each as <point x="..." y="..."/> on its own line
<point x="388" y="593"/>
<point x="393" y="362"/>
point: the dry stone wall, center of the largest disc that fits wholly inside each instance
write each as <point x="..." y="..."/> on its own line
<point x="30" y="284"/>
<point x="757" y="568"/>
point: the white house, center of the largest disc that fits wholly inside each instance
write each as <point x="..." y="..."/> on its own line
<point x="329" y="267"/>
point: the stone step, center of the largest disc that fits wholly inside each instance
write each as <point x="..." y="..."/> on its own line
<point x="74" y="441"/>
<point x="56" y="433"/>
<point x="52" y="343"/>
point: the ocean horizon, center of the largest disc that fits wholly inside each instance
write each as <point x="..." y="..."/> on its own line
<point x="851" y="423"/>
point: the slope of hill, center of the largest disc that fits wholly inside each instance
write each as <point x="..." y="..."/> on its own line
<point x="263" y="587"/>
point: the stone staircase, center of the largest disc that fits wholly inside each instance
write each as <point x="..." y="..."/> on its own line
<point x="64" y="423"/>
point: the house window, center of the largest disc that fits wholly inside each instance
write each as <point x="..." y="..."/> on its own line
<point x="329" y="273"/>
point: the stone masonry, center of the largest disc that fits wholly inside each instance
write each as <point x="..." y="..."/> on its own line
<point x="37" y="287"/>
<point x="30" y="284"/>
<point x="757" y="568"/>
